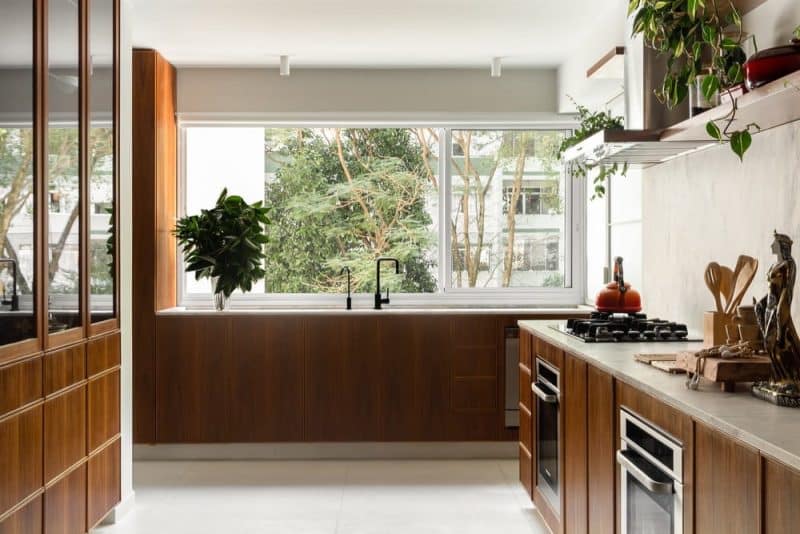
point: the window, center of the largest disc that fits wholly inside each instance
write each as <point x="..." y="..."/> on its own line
<point x="342" y="197"/>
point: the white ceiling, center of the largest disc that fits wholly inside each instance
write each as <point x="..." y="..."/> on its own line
<point x="368" y="33"/>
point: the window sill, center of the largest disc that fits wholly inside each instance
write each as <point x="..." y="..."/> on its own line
<point x="388" y="310"/>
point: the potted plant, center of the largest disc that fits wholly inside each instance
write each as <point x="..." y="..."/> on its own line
<point x="701" y="39"/>
<point x="225" y="244"/>
<point x="590" y="124"/>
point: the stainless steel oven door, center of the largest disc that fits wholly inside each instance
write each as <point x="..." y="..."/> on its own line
<point x="548" y="477"/>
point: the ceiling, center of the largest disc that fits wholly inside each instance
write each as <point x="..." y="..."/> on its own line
<point x="369" y="33"/>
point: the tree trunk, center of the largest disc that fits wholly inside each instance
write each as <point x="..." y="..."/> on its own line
<point x="511" y="222"/>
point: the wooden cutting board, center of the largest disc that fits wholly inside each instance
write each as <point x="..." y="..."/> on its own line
<point x="728" y="371"/>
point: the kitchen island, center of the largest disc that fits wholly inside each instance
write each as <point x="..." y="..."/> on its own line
<point x="741" y="456"/>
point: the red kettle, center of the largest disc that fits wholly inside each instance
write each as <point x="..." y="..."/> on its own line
<point x="617" y="296"/>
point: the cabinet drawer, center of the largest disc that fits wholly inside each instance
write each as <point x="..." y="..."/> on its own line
<point x="20" y="384"/>
<point x="525" y="469"/>
<point x="553" y="355"/>
<point x="103" y="483"/>
<point x="525" y="422"/>
<point x="64" y="368"/>
<point x="525" y="393"/>
<point x="64" y="432"/>
<point x="26" y="520"/>
<point x="65" y="504"/>
<point x="103" y="409"/>
<point x="20" y="457"/>
<point x="103" y="353"/>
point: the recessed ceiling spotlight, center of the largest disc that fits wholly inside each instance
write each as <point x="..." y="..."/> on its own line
<point x="497" y="67"/>
<point x="285" y="68"/>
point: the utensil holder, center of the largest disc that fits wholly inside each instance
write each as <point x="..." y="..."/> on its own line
<point x="714" y="324"/>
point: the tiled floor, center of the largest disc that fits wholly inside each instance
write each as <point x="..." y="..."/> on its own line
<point x="327" y="497"/>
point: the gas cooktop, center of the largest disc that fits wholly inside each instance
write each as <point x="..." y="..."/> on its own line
<point x="624" y="328"/>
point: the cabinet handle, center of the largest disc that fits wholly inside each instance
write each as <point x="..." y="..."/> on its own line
<point x="653" y="486"/>
<point x="549" y="398"/>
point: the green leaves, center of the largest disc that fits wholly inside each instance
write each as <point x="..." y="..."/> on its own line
<point x="713" y="130"/>
<point x="797" y="33"/>
<point x="709" y="34"/>
<point x="740" y="142"/>
<point x="226" y="242"/>
<point x="710" y="86"/>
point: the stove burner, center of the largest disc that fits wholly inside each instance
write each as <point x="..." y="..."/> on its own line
<point x="624" y="327"/>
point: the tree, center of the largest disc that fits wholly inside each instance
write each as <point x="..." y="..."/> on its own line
<point x="344" y="198"/>
<point x="16" y="185"/>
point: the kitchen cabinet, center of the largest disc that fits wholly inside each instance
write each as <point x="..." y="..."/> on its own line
<point x="26" y="520"/>
<point x="20" y="457"/>
<point x="727" y="483"/>
<point x="526" y="467"/>
<point x="601" y="463"/>
<point x="103" y="482"/>
<point x="781" y="505"/>
<point x="575" y="444"/>
<point x="65" y="504"/>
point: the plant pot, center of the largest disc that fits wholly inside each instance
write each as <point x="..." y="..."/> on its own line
<point x="220" y="300"/>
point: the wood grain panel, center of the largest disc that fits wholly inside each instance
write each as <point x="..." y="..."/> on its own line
<point x="474" y="361"/>
<point x="474" y="395"/>
<point x="103" y="409"/>
<point x="103" y="353"/>
<point x="471" y="331"/>
<point x="525" y="427"/>
<point x="525" y="393"/>
<point x="525" y="469"/>
<point x="64" y="368"/>
<point x="264" y="380"/>
<point x="65" y="504"/>
<point x="26" y="520"/>
<point x="154" y="139"/>
<point x="20" y="384"/>
<point x="20" y="457"/>
<point x="601" y="466"/>
<point x="64" y="431"/>
<point x="575" y="460"/>
<point x="343" y="367"/>
<point x="193" y="359"/>
<point x="781" y="498"/>
<point x="727" y="481"/>
<point x="553" y="355"/>
<point x="103" y="483"/>
<point x="525" y="348"/>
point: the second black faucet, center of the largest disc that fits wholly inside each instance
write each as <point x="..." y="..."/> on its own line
<point x="379" y="299"/>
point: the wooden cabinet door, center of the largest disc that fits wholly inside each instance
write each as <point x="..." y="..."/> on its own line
<point x="65" y="504"/>
<point x="727" y="483"/>
<point x="20" y="457"/>
<point x="26" y="520"/>
<point x="526" y="466"/>
<point x="781" y="498"/>
<point x="574" y="460"/>
<point x="601" y="462"/>
<point x="343" y="380"/>
<point x="103" y="482"/>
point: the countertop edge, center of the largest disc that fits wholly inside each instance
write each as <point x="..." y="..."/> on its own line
<point x="720" y="423"/>
<point x="541" y="312"/>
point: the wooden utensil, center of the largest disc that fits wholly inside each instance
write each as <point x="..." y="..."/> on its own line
<point x="713" y="275"/>
<point x="746" y="268"/>
<point x="726" y="285"/>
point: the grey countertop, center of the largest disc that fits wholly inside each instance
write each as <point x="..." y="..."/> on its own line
<point x="773" y="429"/>
<point x="389" y="310"/>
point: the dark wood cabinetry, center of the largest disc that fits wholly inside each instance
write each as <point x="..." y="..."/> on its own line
<point x="575" y="459"/>
<point x="103" y="482"/>
<point x="781" y="504"/>
<point x="64" y="432"/>
<point x="20" y="457"/>
<point x="65" y="504"/>
<point x="601" y="464"/>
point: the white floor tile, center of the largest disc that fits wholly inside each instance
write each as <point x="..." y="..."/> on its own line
<point x="330" y="497"/>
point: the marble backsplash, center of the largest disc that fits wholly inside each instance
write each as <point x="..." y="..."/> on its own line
<point x="711" y="207"/>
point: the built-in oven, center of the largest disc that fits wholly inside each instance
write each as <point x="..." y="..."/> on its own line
<point x="651" y="478"/>
<point x="546" y="387"/>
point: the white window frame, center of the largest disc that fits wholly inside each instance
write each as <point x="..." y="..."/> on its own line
<point x="575" y="213"/>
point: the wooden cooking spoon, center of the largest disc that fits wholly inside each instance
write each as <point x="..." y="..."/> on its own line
<point x="746" y="268"/>
<point x="726" y="285"/>
<point x="713" y="275"/>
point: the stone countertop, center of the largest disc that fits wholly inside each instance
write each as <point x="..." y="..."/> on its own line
<point x="772" y="429"/>
<point x="388" y="310"/>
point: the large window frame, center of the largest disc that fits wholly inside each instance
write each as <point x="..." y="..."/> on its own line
<point x="572" y="294"/>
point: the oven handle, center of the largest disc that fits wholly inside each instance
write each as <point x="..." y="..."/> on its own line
<point x="654" y="486"/>
<point x="549" y="398"/>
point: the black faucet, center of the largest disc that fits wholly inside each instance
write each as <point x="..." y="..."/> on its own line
<point x="14" y="302"/>
<point x="378" y="297"/>
<point x="349" y="300"/>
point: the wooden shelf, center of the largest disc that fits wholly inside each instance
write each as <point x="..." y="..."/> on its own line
<point x="770" y="106"/>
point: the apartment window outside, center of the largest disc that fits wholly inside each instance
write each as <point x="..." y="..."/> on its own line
<point x="342" y="197"/>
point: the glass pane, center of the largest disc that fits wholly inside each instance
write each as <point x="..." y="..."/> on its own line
<point x="17" y="321"/>
<point x="596" y="242"/>
<point x="62" y="165"/>
<point x="649" y="512"/>
<point x="101" y="160"/>
<point x="338" y="198"/>
<point x="508" y="215"/>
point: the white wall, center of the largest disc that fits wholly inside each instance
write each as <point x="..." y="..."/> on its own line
<point x="239" y="91"/>
<point x="773" y="22"/>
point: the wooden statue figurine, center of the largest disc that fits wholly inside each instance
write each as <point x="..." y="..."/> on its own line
<point x="781" y="341"/>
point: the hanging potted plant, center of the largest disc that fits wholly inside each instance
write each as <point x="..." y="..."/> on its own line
<point x="702" y="40"/>
<point x="225" y="244"/>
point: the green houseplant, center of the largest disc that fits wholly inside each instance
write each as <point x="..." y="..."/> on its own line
<point x="226" y="244"/>
<point x="700" y="38"/>
<point x="589" y="124"/>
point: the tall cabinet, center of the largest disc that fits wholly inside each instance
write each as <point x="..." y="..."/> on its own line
<point x="59" y="322"/>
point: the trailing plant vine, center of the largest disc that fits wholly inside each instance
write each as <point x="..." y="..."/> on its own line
<point x="590" y="124"/>
<point x="700" y="38"/>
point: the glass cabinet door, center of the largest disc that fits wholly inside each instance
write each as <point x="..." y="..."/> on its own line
<point x="17" y="221"/>
<point x="63" y="154"/>
<point x="102" y="244"/>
